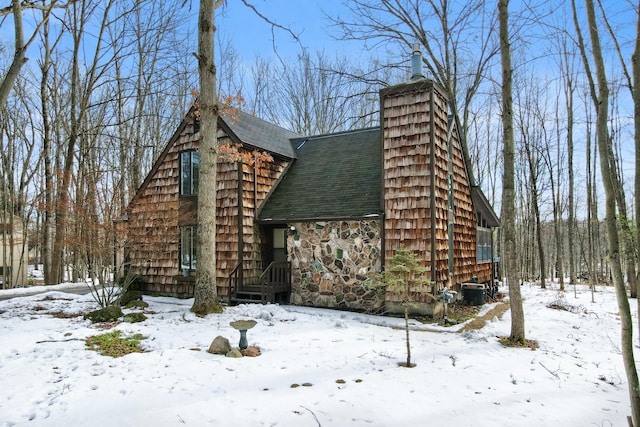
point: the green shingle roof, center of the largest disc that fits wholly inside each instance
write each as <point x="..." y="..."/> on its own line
<point x="335" y="176"/>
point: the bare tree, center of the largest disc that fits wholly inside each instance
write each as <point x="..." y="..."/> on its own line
<point x="457" y="38"/>
<point x="150" y="80"/>
<point x="567" y="66"/>
<point x="20" y="46"/>
<point x="19" y="163"/>
<point x="205" y="292"/>
<point x="48" y="225"/>
<point x="555" y="167"/>
<point x="316" y="95"/>
<point x="81" y="89"/>
<point x="508" y="193"/>
<point x="630" y="82"/>
<point x="528" y="123"/>
<point x="635" y="67"/>
<point x="599" y="90"/>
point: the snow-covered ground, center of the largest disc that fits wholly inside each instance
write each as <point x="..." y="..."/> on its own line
<point x="348" y="363"/>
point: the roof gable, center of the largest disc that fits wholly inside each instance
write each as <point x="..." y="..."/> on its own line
<point x="245" y="129"/>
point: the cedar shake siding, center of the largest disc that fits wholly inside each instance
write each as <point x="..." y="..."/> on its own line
<point x="158" y="210"/>
<point x="421" y="155"/>
<point x="154" y="217"/>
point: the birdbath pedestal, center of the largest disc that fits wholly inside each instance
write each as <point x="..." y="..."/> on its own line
<point x="243" y="326"/>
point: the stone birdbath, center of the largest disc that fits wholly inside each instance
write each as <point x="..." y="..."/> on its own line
<point x="243" y="326"/>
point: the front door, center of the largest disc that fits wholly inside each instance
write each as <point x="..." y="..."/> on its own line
<point x="279" y="245"/>
<point x="275" y="240"/>
<point x="275" y="245"/>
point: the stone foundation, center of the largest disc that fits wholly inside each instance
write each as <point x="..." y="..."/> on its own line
<point x="331" y="263"/>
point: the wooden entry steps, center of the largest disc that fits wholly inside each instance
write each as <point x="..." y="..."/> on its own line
<point x="259" y="294"/>
<point x="273" y="285"/>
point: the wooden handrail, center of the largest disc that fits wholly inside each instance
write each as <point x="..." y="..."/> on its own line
<point x="275" y="278"/>
<point x="234" y="278"/>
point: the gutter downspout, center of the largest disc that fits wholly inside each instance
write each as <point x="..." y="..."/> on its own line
<point x="383" y="188"/>
<point x="450" y="210"/>
<point x="240" y="225"/>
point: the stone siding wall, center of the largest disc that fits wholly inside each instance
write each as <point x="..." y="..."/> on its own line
<point x="331" y="261"/>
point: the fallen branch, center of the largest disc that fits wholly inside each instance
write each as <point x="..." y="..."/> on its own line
<point x="314" y="415"/>
<point x="68" y="339"/>
<point x="554" y="373"/>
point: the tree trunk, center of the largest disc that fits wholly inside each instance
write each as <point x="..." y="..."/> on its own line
<point x="508" y="178"/>
<point x="569" y="89"/>
<point x="555" y="194"/>
<point x="635" y="66"/>
<point x="600" y="97"/>
<point x="536" y="212"/>
<point x="48" y="225"/>
<point x="18" y="54"/>
<point x="20" y="48"/>
<point x="205" y="293"/>
<point x="406" y="328"/>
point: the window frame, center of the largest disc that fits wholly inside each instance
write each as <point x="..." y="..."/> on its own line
<point x="191" y="180"/>
<point x="484" y="244"/>
<point x="188" y="254"/>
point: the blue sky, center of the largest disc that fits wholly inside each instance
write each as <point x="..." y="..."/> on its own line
<point x="251" y="35"/>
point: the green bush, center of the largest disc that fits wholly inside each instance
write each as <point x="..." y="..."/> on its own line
<point x="134" y="317"/>
<point x="107" y="314"/>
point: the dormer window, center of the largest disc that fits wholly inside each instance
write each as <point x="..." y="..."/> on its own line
<point x="189" y="167"/>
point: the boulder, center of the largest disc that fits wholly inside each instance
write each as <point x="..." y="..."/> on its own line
<point x="250" y="352"/>
<point x="234" y="353"/>
<point x="220" y="345"/>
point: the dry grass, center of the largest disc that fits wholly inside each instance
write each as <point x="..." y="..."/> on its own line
<point x="63" y="315"/>
<point x="508" y="342"/>
<point x="479" y="321"/>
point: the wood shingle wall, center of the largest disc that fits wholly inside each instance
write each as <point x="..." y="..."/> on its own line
<point x="464" y="241"/>
<point x="154" y="217"/>
<point x="418" y="159"/>
<point x="258" y="180"/>
<point x="157" y="212"/>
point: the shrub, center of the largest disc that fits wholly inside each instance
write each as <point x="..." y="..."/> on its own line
<point x="134" y="318"/>
<point x="106" y="314"/>
<point x="403" y="273"/>
<point x="111" y="293"/>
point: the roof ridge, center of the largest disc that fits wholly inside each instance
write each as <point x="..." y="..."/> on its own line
<point x="344" y="132"/>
